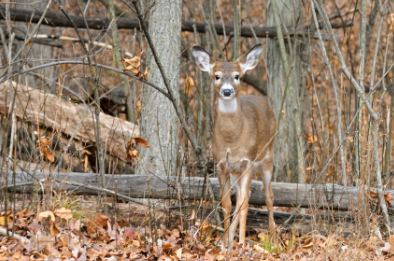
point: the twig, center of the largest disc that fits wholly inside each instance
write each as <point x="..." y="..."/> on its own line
<point x="374" y="115"/>
<point x="339" y="112"/>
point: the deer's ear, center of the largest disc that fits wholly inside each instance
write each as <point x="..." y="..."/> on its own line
<point x="203" y="60"/>
<point x="249" y="60"/>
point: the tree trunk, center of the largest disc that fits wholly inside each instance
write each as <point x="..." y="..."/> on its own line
<point x="287" y="151"/>
<point x="207" y="42"/>
<point x="159" y="122"/>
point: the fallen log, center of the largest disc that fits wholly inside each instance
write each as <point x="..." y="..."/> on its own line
<point x="56" y="113"/>
<point x="191" y="188"/>
<point x="60" y="20"/>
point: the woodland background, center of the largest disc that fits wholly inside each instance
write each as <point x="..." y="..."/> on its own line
<point x="101" y="97"/>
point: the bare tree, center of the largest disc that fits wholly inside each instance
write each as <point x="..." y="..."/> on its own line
<point x="288" y="145"/>
<point x="159" y="122"/>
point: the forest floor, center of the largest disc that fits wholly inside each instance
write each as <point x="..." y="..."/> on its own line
<point x="66" y="232"/>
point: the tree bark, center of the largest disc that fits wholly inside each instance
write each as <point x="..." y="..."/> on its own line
<point x="208" y="43"/>
<point x="158" y="121"/>
<point x="289" y="125"/>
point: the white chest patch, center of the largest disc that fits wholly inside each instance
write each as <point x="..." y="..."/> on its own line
<point x="230" y="105"/>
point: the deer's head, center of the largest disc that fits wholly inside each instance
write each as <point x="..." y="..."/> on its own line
<point x="227" y="75"/>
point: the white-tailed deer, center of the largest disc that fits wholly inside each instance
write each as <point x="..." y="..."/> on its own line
<point x="243" y="137"/>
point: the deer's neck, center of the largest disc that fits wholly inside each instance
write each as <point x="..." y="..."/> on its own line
<point x="228" y="119"/>
<point x="228" y="106"/>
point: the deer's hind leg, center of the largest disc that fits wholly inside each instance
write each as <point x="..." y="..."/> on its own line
<point x="265" y="169"/>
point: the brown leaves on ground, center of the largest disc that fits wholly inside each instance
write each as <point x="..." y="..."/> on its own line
<point x="133" y="66"/>
<point x="132" y="152"/>
<point x="98" y="238"/>
<point x="43" y="143"/>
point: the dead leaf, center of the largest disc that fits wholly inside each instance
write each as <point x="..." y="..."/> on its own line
<point x="388" y="197"/>
<point x="43" y="143"/>
<point x="2" y="220"/>
<point x="141" y="142"/>
<point x="390" y="22"/>
<point x="132" y="151"/>
<point x="344" y="38"/>
<point x="189" y="84"/>
<point x="133" y="66"/>
<point x="64" y="213"/>
<point x="46" y="214"/>
<point x="373" y="196"/>
<point x="312" y="139"/>
<point x="192" y="215"/>
<point x="179" y="253"/>
<point x="132" y="155"/>
<point x="138" y="106"/>
<point x="146" y="73"/>
<point x="98" y="222"/>
<point x="49" y="155"/>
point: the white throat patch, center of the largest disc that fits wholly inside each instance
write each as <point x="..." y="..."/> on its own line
<point x="228" y="105"/>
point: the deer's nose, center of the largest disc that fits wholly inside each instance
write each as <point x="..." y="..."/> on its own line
<point x="227" y="92"/>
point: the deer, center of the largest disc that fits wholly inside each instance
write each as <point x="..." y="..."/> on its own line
<point x="243" y="136"/>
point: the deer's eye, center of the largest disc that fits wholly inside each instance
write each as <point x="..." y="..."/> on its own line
<point x="217" y="77"/>
<point x="236" y="77"/>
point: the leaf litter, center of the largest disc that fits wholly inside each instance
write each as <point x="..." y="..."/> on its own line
<point x="57" y="235"/>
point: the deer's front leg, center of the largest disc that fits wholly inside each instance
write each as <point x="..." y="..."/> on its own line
<point x="225" y="191"/>
<point x="244" y="179"/>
